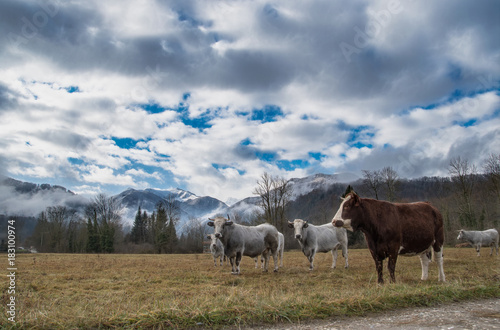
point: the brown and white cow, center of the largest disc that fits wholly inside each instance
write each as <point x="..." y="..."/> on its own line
<point x="395" y="228"/>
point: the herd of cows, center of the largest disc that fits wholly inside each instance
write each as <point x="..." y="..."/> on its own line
<point x="390" y="229"/>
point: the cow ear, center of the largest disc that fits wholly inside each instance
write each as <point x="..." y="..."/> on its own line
<point x="210" y="223"/>
<point x="208" y="236"/>
<point x="305" y="225"/>
<point x="229" y="223"/>
<point x="356" y="199"/>
<point x="290" y="224"/>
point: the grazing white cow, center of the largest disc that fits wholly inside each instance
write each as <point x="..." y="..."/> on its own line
<point x="251" y="241"/>
<point x="281" y="250"/>
<point x="480" y="238"/>
<point x="322" y="238"/>
<point x="216" y="248"/>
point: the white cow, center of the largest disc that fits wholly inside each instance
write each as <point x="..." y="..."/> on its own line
<point x="479" y="238"/>
<point x="281" y="250"/>
<point x="216" y="248"/>
<point x="322" y="238"/>
<point x="251" y="241"/>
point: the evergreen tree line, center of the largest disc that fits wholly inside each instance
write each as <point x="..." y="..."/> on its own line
<point x="155" y="232"/>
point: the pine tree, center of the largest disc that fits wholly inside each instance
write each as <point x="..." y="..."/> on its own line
<point x="172" y="239"/>
<point x="135" y="234"/>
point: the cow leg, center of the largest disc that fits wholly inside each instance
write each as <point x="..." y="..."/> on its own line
<point x="232" y="260"/>
<point x="238" y="261"/>
<point x="220" y="258"/>
<point x="438" y="255"/>
<point x="379" y="267"/>
<point x="391" y="266"/>
<point x="280" y="256"/>
<point x="424" y="261"/>
<point x="311" y="259"/>
<point x="275" y="259"/>
<point x="256" y="259"/>
<point x="265" y="255"/>
<point x="334" y="255"/>
<point x="215" y="261"/>
<point x="478" y="249"/>
<point x="345" y="255"/>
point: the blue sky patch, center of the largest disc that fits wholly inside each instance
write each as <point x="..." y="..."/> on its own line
<point x="266" y="156"/>
<point x="267" y="114"/>
<point x="466" y="123"/>
<point x="72" y="89"/>
<point x="75" y="161"/>
<point x="316" y="155"/>
<point x="152" y="107"/>
<point x="290" y="165"/>
<point x="125" y="143"/>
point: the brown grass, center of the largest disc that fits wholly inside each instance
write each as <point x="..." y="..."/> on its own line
<point x="68" y="291"/>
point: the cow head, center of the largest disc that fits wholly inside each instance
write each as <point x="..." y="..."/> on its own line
<point x="298" y="225"/>
<point x="345" y="212"/>
<point x="219" y="224"/>
<point x="213" y="240"/>
<point x="460" y="234"/>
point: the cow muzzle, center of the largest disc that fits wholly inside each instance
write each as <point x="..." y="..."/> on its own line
<point x="338" y="223"/>
<point x="343" y="224"/>
<point x="298" y="236"/>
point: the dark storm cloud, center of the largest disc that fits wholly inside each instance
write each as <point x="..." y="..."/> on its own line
<point x="8" y="98"/>
<point x="70" y="140"/>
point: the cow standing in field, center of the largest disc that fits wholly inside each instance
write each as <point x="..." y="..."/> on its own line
<point x="251" y="241"/>
<point x="395" y="228"/>
<point x="281" y="250"/>
<point x="216" y="248"/>
<point x="322" y="238"/>
<point x="480" y="238"/>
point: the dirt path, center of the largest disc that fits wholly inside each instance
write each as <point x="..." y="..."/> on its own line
<point x="480" y="314"/>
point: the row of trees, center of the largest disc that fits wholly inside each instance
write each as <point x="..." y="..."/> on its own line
<point x="467" y="199"/>
<point x="60" y="229"/>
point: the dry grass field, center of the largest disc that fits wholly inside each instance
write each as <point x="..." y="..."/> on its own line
<point x="183" y="291"/>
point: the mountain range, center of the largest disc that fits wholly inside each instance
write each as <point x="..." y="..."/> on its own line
<point x="29" y="199"/>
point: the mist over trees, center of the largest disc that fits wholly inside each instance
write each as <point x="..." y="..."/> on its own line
<point x="469" y="198"/>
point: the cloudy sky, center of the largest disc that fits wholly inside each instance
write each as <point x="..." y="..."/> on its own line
<point x="100" y="96"/>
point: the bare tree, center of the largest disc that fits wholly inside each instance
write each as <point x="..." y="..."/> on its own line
<point x="275" y="193"/>
<point x="492" y="171"/>
<point x="464" y="177"/>
<point x="372" y="180"/>
<point x="390" y="181"/>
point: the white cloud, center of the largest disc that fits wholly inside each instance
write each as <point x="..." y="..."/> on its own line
<point x="422" y="86"/>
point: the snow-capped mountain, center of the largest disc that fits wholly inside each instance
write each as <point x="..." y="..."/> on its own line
<point x="190" y="206"/>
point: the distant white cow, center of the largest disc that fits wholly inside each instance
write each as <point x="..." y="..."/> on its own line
<point x="249" y="241"/>
<point x="281" y="250"/>
<point x="322" y="238"/>
<point x="480" y="238"/>
<point x="216" y="248"/>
